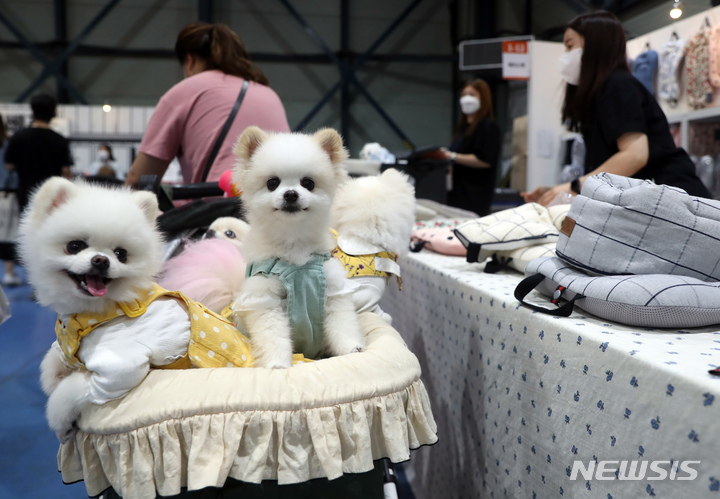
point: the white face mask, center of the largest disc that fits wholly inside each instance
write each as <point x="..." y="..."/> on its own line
<point x="469" y="104"/>
<point x="103" y="155"/>
<point x="569" y="65"/>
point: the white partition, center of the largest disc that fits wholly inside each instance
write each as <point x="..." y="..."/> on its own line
<point x="546" y="91"/>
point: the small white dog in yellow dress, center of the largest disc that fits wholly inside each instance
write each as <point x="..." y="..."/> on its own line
<point x="373" y="217"/>
<point x="91" y="254"/>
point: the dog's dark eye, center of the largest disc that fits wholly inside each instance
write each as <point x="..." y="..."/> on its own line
<point x="307" y="183"/>
<point x="273" y="183"/>
<point x="75" y="247"/>
<point x="121" y="255"/>
<point x="229" y="234"/>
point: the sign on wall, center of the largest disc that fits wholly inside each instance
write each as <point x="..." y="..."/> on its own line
<point x="515" y="60"/>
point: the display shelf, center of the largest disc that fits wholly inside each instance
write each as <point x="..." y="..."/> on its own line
<point x="706" y="114"/>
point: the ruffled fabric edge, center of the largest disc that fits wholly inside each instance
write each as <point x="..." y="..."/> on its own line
<point x="288" y="446"/>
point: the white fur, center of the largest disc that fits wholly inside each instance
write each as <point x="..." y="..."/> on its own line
<point x="65" y="404"/>
<point x="291" y="236"/>
<point x="232" y="229"/>
<point x="379" y="210"/>
<point x="106" y="221"/>
<point x="52" y="371"/>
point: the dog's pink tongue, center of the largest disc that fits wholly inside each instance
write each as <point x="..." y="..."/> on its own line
<point x="95" y="285"/>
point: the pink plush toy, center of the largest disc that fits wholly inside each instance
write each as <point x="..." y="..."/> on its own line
<point x="226" y="184"/>
<point x="438" y="239"/>
<point x="210" y="271"/>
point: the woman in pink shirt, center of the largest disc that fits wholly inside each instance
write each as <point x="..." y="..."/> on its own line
<point x="188" y="118"/>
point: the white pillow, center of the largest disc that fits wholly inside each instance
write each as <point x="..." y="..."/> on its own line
<point x="510" y="233"/>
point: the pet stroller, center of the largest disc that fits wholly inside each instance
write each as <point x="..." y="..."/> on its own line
<point x="328" y="428"/>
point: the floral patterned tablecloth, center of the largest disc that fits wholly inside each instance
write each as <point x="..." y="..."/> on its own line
<point x="519" y="396"/>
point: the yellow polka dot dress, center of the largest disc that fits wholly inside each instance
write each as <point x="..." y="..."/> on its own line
<point x="214" y="341"/>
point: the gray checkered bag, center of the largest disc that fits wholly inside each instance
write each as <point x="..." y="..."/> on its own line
<point x="621" y="225"/>
<point x="666" y="301"/>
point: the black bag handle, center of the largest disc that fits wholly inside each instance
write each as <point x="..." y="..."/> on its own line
<point x="529" y="283"/>
<point x="224" y="131"/>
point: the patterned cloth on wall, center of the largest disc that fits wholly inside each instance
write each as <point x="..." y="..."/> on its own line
<point x="697" y="69"/>
<point x="520" y="396"/>
<point x="672" y="54"/>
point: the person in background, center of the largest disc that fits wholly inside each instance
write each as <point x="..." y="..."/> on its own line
<point x="474" y="151"/>
<point x="36" y="153"/>
<point x="625" y="131"/>
<point x="8" y="182"/>
<point x="8" y="179"/>
<point x="188" y="118"/>
<point x="105" y="165"/>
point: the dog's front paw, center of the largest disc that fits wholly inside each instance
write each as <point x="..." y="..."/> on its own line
<point x="52" y="371"/>
<point x="62" y="422"/>
<point x="64" y="435"/>
<point x="273" y="362"/>
<point x="346" y="346"/>
<point x="65" y="404"/>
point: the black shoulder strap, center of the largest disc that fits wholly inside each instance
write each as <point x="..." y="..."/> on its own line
<point x="531" y="282"/>
<point x="225" y="130"/>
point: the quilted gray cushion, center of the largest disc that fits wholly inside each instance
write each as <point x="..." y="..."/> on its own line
<point x="651" y="300"/>
<point x="622" y="225"/>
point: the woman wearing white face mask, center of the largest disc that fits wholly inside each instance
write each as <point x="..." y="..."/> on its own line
<point x="624" y="129"/>
<point x="474" y="151"/>
<point x="105" y="166"/>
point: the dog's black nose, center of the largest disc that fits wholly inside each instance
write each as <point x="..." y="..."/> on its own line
<point x="100" y="262"/>
<point x="290" y="196"/>
<point x="209" y="234"/>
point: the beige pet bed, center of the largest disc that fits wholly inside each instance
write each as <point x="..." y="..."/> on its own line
<point x="198" y="427"/>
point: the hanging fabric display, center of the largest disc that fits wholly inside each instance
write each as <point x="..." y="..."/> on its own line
<point x="697" y="69"/>
<point x="714" y="56"/>
<point x="644" y="66"/>
<point x="671" y="58"/>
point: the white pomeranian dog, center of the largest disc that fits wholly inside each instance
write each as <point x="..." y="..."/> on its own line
<point x="92" y="254"/>
<point x="232" y="229"/>
<point x="374" y="218"/>
<point x="295" y="297"/>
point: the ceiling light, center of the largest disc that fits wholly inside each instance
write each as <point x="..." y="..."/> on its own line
<point x="676" y="10"/>
<point x="107" y="108"/>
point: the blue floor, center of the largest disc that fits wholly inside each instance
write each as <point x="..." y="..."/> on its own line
<point x="28" y="462"/>
<point x="28" y="448"/>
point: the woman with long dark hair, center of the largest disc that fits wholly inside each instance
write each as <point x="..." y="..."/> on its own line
<point x="188" y="118"/>
<point x="624" y="129"/>
<point x="475" y="150"/>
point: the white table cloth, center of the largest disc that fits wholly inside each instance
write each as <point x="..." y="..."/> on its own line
<point x="518" y="396"/>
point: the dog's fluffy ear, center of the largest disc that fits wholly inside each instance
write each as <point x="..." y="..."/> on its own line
<point x="51" y="195"/>
<point x="331" y="142"/>
<point x="147" y="201"/>
<point x="248" y="142"/>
